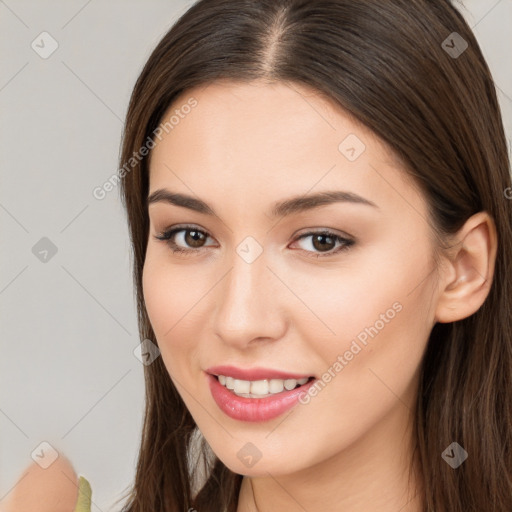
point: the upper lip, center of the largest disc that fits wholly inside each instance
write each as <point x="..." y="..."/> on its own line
<point x="253" y="374"/>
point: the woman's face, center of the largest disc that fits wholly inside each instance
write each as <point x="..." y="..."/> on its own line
<point x="265" y="299"/>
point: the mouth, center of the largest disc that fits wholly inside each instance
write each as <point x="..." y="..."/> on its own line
<point x="257" y="400"/>
<point x="260" y="389"/>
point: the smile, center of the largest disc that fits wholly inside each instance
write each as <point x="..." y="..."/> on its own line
<point x="256" y="400"/>
<point x="259" y="388"/>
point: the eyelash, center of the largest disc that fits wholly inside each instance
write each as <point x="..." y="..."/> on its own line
<point x="166" y="236"/>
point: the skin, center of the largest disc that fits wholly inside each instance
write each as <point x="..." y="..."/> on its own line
<point x="54" y="489"/>
<point x="242" y="148"/>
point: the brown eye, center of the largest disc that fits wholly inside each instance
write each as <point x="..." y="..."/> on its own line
<point x="194" y="238"/>
<point x="184" y="239"/>
<point x="323" y="242"/>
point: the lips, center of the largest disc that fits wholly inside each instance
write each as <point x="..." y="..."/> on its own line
<point x="255" y="409"/>
<point x="254" y="373"/>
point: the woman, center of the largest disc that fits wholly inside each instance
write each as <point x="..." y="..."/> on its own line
<point x="316" y="197"/>
<point x="245" y="105"/>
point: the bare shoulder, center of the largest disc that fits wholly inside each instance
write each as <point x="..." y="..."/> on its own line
<point x="54" y="489"/>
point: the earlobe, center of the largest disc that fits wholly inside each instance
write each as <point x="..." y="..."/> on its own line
<point x="467" y="279"/>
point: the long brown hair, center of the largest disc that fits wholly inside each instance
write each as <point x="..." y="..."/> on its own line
<point x="398" y="67"/>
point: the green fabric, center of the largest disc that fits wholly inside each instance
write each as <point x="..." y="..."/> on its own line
<point x="84" y="496"/>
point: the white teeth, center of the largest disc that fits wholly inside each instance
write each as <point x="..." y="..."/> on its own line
<point x="276" y="386"/>
<point x="289" y="384"/>
<point x="242" y="386"/>
<point x="259" y="388"/>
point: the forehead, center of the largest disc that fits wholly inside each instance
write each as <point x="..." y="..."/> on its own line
<point x="258" y="137"/>
<point x="260" y="116"/>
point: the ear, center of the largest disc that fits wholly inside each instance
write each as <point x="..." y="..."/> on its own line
<point x="467" y="277"/>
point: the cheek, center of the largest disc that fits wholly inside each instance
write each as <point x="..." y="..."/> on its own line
<point x="173" y="305"/>
<point x="369" y="370"/>
<point x="374" y="291"/>
<point x="172" y="292"/>
<point x="376" y="317"/>
<point x="158" y="301"/>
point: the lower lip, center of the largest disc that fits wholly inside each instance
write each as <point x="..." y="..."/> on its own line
<point x="254" y="409"/>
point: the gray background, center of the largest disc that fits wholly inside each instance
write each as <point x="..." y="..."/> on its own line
<point x="68" y="373"/>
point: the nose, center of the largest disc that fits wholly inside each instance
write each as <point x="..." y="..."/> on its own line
<point x="250" y="303"/>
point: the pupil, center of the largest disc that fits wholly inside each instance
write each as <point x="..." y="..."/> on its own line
<point x="321" y="237"/>
<point x="195" y="237"/>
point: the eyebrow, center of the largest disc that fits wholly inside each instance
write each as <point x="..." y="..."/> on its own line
<point x="279" y="209"/>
